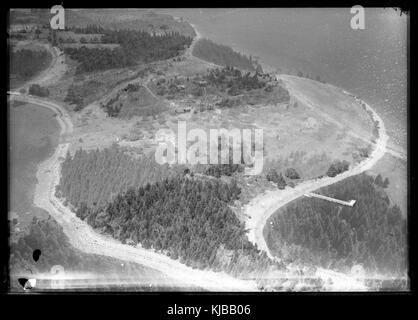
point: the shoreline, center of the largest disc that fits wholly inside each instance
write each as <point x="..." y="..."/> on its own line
<point x="86" y="239"/>
<point x="396" y="145"/>
<point x="266" y="68"/>
<point x="34" y="135"/>
<point x="262" y="207"/>
<point x="311" y="185"/>
<point x="83" y="237"/>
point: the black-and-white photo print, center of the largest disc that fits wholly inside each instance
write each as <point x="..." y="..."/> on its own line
<point x="208" y="150"/>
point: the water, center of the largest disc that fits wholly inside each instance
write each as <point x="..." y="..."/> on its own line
<point x="371" y="63"/>
<point x="34" y="134"/>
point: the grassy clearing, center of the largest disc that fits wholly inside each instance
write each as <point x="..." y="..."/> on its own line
<point x="332" y="103"/>
<point x="133" y="100"/>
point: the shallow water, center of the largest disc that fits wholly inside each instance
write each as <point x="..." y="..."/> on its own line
<point x="34" y="135"/>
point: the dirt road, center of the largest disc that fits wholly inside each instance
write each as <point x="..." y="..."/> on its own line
<point x="84" y="238"/>
<point x="263" y="206"/>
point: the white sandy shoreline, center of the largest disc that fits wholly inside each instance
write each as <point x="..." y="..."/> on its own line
<point x="261" y="208"/>
<point x="84" y="238"/>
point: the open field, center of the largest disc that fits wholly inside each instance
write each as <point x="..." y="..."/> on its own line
<point x="295" y="135"/>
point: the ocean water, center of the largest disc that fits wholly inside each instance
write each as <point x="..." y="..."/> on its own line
<point x="371" y="63"/>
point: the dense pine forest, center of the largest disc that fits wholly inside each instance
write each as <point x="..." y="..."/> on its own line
<point x="372" y="233"/>
<point x="139" y="201"/>
<point x="135" y="47"/>
<point x="26" y="63"/>
<point x="185" y="218"/>
<point x="224" y="56"/>
<point x="94" y="177"/>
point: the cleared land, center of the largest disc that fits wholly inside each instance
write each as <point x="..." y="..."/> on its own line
<point x="84" y="238"/>
<point x="320" y="119"/>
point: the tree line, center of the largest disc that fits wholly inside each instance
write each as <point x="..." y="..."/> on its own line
<point x="234" y="80"/>
<point x="372" y="233"/>
<point x="97" y="176"/>
<point x="182" y="215"/>
<point x="26" y="63"/>
<point x="185" y="218"/>
<point x="135" y="47"/>
<point x="224" y="56"/>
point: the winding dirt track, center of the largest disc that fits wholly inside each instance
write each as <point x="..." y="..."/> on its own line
<point x="263" y="206"/>
<point x="84" y="238"/>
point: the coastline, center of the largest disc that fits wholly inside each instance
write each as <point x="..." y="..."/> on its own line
<point x="312" y="185"/>
<point x="33" y="137"/>
<point x="397" y="141"/>
<point x="261" y="208"/>
<point x="266" y="67"/>
<point x="83" y="237"/>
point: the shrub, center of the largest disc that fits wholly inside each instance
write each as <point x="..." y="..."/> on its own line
<point x="291" y="173"/>
<point x="281" y="183"/>
<point x="272" y="176"/>
<point x="37" y="90"/>
<point x="337" y="167"/>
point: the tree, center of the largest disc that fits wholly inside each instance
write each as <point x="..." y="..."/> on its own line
<point x="291" y="173"/>
<point x="378" y="180"/>
<point x="37" y="90"/>
<point x="272" y="176"/>
<point x="337" y="167"/>
<point x="281" y="183"/>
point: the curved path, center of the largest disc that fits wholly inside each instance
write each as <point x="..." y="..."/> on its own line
<point x="84" y="238"/>
<point x="263" y="206"/>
